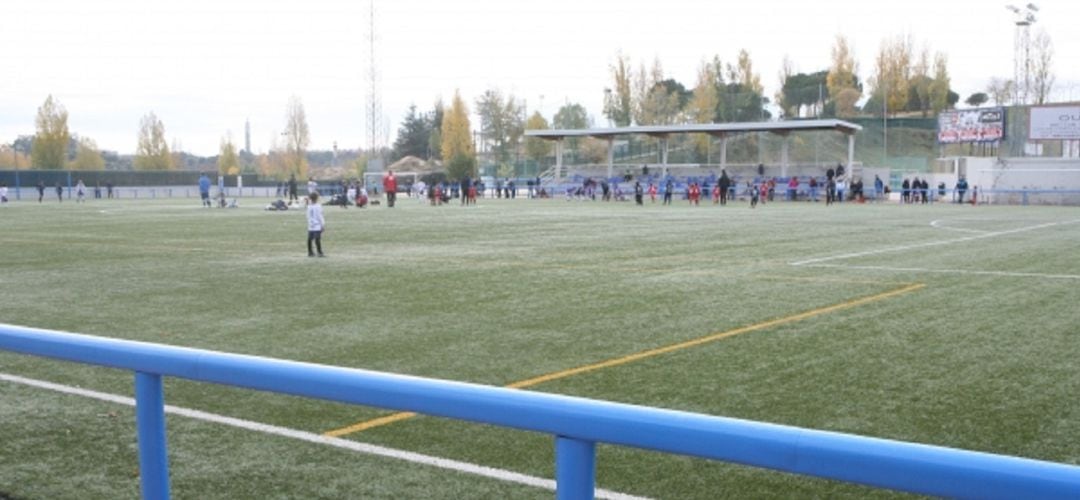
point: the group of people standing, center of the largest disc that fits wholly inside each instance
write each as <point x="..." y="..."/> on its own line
<point x="918" y="191"/>
<point x="720" y="191"/>
<point x="915" y="191"/>
<point x="80" y="191"/>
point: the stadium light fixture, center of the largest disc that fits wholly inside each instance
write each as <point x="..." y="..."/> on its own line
<point x="1025" y="17"/>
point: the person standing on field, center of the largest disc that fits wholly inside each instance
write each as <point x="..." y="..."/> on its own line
<point x="350" y="194"/>
<point x="204" y="189"/>
<point x="40" y="191"/>
<point x="961" y="188"/>
<point x="725" y="185"/>
<point x="59" y="192"/>
<point x="316" y="224"/>
<point x="390" y="187"/>
<point x="293" y="196"/>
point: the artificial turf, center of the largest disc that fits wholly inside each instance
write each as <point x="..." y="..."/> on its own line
<point x="981" y="357"/>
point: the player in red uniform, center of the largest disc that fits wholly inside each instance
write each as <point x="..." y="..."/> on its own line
<point x="390" y="187"/>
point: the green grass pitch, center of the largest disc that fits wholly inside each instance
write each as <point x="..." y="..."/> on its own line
<point x="982" y="357"/>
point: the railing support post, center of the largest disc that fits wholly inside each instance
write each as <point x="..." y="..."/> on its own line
<point x="150" y="421"/>
<point x="575" y="469"/>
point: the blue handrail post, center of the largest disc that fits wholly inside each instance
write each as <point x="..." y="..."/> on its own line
<point x="575" y="469"/>
<point x="150" y="420"/>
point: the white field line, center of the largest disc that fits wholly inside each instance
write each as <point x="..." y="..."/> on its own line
<point x="408" y="456"/>
<point x="929" y="243"/>
<point x="937" y="224"/>
<point x="951" y="271"/>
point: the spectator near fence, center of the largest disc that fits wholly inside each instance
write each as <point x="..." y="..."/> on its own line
<point x="961" y="188"/>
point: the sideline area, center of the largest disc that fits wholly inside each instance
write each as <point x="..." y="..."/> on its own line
<point x="369" y="449"/>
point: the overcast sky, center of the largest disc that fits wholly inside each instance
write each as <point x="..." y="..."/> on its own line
<point x="205" y="66"/>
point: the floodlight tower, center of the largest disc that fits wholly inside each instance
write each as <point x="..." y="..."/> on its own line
<point x="374" y="111"/>
<point x="1025" y="17"/>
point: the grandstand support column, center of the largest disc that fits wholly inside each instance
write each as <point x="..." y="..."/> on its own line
<point x="610" y="156"/>
<point x="784" y="156"/>
<point x="558" y="159"/>
<point x="851" y="151"/>
<point x="723" y="152"/>
<point x="664" y="151"/>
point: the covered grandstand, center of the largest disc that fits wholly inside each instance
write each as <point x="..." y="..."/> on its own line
<point x="722" y="131"/>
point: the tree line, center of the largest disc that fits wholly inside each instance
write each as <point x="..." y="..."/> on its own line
<point x="904" y="80"/>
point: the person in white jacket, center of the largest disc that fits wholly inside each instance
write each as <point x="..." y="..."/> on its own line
<point x="316" y="224"/>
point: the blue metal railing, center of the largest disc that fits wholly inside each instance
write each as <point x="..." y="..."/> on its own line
<point x="577" y="423"/>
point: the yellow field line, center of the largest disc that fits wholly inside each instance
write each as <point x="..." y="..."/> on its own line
<point x="396" y="417"/>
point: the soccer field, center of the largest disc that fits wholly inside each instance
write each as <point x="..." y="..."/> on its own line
<point x="943" y="324"/>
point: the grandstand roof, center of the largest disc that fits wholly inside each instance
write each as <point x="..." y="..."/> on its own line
<point x="708" y="128"/>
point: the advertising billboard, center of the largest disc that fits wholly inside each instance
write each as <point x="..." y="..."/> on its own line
<point x="1055" y="122"/>
<point x="971" y="125"/>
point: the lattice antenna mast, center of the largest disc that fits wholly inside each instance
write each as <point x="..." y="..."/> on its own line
<point x="376" y="138"/>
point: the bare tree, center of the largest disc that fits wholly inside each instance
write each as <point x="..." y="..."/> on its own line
<point x="297" y="137"/>
<point x="921" y="81"/>
<point x="1000" y="90"/>
<point x="618" y="104"/>
<point x="1041" y="67"/>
